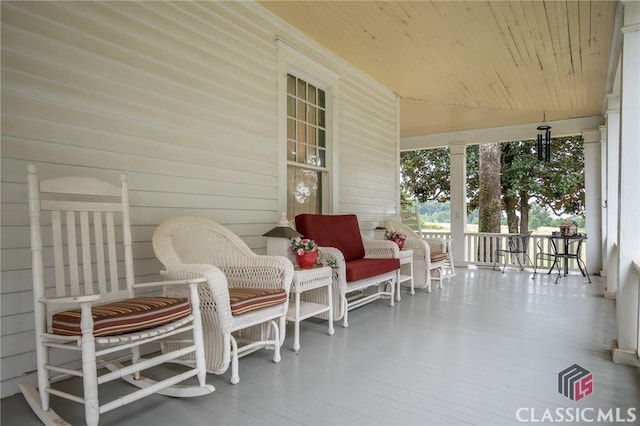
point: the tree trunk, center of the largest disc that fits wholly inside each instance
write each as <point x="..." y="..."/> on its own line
<point x="524" y="212"/>
<point x="489" y="200"/>
<point x="510" y="200"/>
<point x="510" y="204"/>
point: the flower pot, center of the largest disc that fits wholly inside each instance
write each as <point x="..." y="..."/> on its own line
<point x="307" y="260"/>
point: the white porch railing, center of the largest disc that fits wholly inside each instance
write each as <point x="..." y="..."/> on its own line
<point x="479" y="249"/>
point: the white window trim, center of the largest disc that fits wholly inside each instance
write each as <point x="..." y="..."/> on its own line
<point x="291" y="60"/>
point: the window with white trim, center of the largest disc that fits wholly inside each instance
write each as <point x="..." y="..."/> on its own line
<point x="306" y="147"/>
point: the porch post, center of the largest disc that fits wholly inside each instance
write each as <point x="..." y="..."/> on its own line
<point x="592" y="198"/>
<point x="626" y="350"/>
<point x="603" y="200"/>
<point x="613" y="158"/>
<point x="458" y="161"/>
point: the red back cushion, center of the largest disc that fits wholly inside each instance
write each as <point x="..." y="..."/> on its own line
<point x="339" y="231"/>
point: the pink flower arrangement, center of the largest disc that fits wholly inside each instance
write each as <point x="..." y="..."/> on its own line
<point x="395" y="236"/>
<point x="301" y="246"/>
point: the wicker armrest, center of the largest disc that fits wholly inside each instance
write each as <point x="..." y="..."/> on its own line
<point x="215" y="288"/>
<point x="380" y="248"/>
<point x="437" y="245"/>
<point x="260" y="272"/>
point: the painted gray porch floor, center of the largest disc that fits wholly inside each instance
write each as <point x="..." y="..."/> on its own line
<point x="471" y="353"/>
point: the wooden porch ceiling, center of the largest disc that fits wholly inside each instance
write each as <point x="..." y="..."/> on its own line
<point x="460" y="65"/>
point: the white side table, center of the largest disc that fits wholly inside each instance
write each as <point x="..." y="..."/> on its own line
<point x="304" y="280"/>
<point x="405" y="273"/>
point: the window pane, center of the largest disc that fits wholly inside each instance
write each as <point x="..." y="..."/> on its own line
<point x="302" y="152"/>
<point x="312" y="94"/>
<point x="291" y="84"/>
<point x="302" y="89"/>
<point x="312" y="115"/>
<point x="321" y="118"/>
<point x="291" y="106"/>
<point x="302" y="111"/>
<point x="291" y="128"/>
<point x="321" y="98"/>
<point x="311" y="136"/>
<point x="321" y="157"/>
<point x="312" y="157"/>
<point x="291" y="150"/>
<point x="321" y="138"/>
<point x="304" y="190"/>
<point x="302" y="133"/>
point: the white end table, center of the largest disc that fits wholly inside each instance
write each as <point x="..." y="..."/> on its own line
<point x="304" y="280"/>
<point x="405" y="273"/>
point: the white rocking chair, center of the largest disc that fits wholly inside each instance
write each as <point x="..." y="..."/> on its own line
<point x="89" y="312"/>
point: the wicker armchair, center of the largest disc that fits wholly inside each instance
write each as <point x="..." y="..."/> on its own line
<point x="431" y="257"/>
<point x="246" y="295"/>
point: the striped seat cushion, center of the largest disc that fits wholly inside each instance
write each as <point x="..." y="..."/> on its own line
<point x="245" y="300"/>
<point x="438" y="257"/>
<point x="124" y="316"/>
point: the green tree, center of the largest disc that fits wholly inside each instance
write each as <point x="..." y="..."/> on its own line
<point x="520" y="169"/>
<point x="557" y="186"/>
<point x="425" y="174"/>
<point x="473" y="178"/>
<point x="561" y="181"/>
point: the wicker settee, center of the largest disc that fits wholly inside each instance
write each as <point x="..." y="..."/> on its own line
<point x="364" y="270"/>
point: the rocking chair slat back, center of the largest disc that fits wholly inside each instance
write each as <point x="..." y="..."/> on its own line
<point x="79" y="223"/>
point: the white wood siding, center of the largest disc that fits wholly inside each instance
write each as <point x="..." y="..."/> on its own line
<point x="181" y="96"/>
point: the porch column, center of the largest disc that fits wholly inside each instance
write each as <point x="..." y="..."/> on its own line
<point x="613" y="158"/>
<point x="603" y="200"/>
<point x="592" y="198"/>
<point x="458" y="161"/>
<point x="626" y="351"/>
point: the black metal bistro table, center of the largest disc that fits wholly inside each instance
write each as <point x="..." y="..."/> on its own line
<point x="565" y="248"/>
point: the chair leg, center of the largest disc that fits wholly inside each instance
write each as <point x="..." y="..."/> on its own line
<point x="89" y="368"/>
<point x="583" y="269"/>
<point x="276" y="342"/>
<point x="345" y="320"/>
<point x="235" y="378"/>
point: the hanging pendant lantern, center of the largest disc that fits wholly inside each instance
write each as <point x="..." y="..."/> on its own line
<point x="544" y="142"/>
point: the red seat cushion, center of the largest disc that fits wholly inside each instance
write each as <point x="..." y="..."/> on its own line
<point x="125" y="316"/>
<point x="339" y="231"/>
<point x="366" y="268"/>
<point x="245" y="300"/>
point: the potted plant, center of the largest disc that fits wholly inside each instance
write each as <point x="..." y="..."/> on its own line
<point x="396" y="237"/>
<point x="306" y="252"/>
